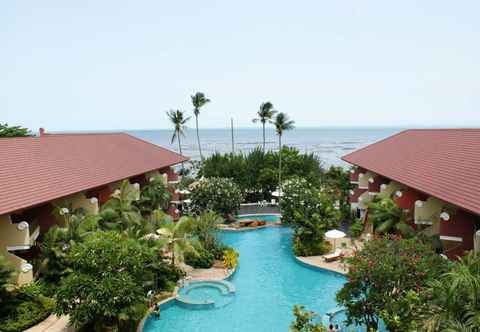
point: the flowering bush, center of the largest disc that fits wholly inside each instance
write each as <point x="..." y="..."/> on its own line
<point x="310" y="212"/>
<point x="382" y="274"/>
<point x="220" y="195"/>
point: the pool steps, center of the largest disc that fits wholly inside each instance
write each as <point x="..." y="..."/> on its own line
<point x="226" y="289"/>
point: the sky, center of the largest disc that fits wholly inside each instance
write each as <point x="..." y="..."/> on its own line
<point x="114" y="64"/>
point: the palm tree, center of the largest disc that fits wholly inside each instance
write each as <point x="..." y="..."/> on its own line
<point x="178" y="236"/>
<point x="178" y="119"/>
<point x="281" y="123"/>
<point x="455" y="297"/>
<point x="265" y="113"/>
<point x="198" y="100"/>
<point x="387" y="217"/>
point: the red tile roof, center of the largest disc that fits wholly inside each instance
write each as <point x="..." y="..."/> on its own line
<point x="444" y="163"/>
<point x="35" y="170"/>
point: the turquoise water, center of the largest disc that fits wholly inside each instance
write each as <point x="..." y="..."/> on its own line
<point x="263" y="217"/>
<point x="269" y="282"/>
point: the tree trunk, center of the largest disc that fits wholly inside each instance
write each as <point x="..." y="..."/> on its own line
<point x="198" y="138"/>
<point x="279" y="168"/>
<point x="173" y="255"/>
<point x="263" y="124"/>
<point x="180" y="150"/>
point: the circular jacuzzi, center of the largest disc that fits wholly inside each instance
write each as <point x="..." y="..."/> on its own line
<point x="206" y="294"/>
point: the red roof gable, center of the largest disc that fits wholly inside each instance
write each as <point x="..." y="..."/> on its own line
<point x="444" y="163"/>
<point x="35" y="170"/>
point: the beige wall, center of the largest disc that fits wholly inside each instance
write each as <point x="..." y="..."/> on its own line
<point x="77" y="201"/>
<point x="363" y="180"/>
<point x="12" y="235"/>
<point x="429" y="212"/>
<point x="389" y="189"/>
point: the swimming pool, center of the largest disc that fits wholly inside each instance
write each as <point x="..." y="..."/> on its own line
<point x="268" y="282"/>
<point x="272" y="217"/>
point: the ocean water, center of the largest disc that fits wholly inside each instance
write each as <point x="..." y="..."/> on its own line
<point x="327" y="143"/>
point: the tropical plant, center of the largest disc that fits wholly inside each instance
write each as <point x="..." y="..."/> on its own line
<point x="200" y="259"/>
<point x="154" y="195"/>
<point x="356" y="228"/>
<point x="387" y="217"/>
<point x="178" y="236"/>
<point x="220" y="195"/>
<point x="120" y="212"/>
<point x="453" y="299"/>
<point x="265" y="114"/>
<point x="304" y="321"/>
<point x="336" y="180"/>
<point x="24" y="307"/>
<point x="381" y="274"/>
<point x="13" y="131"/>
<point x="106" y="286"/>
<point x="6" y="277"/>
<point x="256" y="172"/>
<point x="230" y="258"/>
<point x="310" y="212"/>
<point x="281" y="123"/>
<point x="205" y="229"/>
<point x="179" y="121"/>
<point x="198" y="101"/>
<point x="56" y="244"/>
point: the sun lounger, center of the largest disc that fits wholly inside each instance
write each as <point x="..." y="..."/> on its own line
<point x="333" y="256"/>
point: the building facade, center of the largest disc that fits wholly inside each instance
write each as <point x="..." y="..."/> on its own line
<point x="38" y="174"/>
<point x="432" y="174"/>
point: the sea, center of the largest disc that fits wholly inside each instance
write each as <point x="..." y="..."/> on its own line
<point x="329" y="144"/>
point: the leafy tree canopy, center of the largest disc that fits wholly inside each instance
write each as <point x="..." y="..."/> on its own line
<point x="13" y="131"/>
<point x="310" y="212"/>
<point x="106" y="286"/>
<point x="256" y="173"/>
<point x="220" y="195"/>
<point x="382" y="274"/>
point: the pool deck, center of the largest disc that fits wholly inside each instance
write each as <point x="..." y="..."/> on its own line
<point x="212" y="273"/>
<point x="336" y="266"/>
<point x="318" y="262"/>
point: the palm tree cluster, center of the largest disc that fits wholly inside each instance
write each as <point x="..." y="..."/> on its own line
<point x="179" y="120"/>
<point x="266" y="114"/>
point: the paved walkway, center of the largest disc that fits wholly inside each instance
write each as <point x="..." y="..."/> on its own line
<point x="317" y="261"/>
<point x="52" y="324"/>
<point x="209" y="274"/>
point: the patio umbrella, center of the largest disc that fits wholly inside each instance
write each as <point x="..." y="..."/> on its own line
<point x="277" y="193"/>
<point x="335" y="234"/>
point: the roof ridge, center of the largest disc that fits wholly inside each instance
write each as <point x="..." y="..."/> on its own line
<point x="81" y="134"/>
<point x="155" y="145"/>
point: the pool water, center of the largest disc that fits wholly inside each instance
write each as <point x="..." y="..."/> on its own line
<point x="268" y="282"/>
<point x="263" y="217"/>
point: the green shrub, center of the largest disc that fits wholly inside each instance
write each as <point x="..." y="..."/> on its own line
<point x="25" y="307"/>
<point x="356" y="228"/>
<point x="256" y="172"/>
<point x="202" y="259"/>
<point x="301" y="248"/>
<point x="220" y="195"/>
<point x="310" y="212"/>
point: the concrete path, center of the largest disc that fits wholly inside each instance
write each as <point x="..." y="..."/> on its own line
<point x="52" y="324"/>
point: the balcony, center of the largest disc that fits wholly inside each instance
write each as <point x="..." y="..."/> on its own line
<point x="428" y="212"/>
<point x="390" y="189"/>
<point x="17" y="236"/>
<point x="363" y="179"/>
